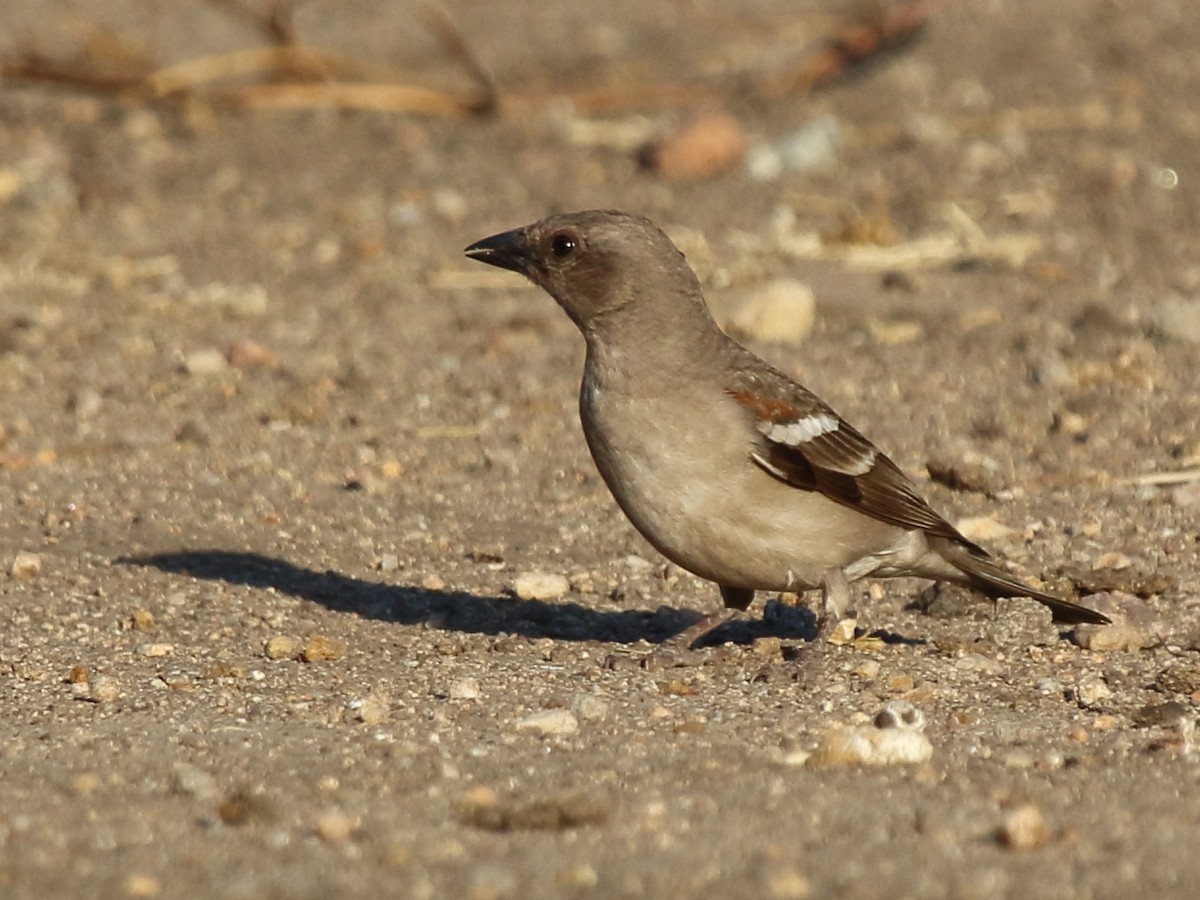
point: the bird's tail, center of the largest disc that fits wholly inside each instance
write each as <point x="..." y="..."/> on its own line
<point x="984" y="575"/>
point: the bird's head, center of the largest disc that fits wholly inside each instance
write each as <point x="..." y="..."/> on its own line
<point x="595" y="263"/>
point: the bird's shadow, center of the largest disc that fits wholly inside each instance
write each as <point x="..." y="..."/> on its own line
<point x="465" y="612"/>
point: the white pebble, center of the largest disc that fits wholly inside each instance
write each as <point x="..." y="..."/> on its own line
<point x="26" y="565"/>
<point x="541" y="586"/>
<point x="550" y="721"/>
<point x="467" y="689"/>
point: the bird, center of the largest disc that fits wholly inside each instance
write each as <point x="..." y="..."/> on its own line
<point x="728" y="467"/>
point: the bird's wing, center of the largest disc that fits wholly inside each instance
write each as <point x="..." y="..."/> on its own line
<point x="806" y="444"/>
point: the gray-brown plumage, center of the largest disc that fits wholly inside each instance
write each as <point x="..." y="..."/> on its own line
<point x="727" y="466"/>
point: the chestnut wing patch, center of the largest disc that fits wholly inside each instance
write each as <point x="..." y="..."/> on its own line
<point x="805" y="444"/>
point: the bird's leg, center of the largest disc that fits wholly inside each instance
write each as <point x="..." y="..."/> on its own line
<point x="835" y="603"/>
<point x="679" y="651"/>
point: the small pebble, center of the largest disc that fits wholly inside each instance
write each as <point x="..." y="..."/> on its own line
<point x="1179" y="318"/>
<point x="868" y="669"/>
<point x="335" y="827"/>
<point x="281" y="646"/>
<point x="705" y="146"/>
<point x="247" y="354"/>
<point x="783" y="311"/>
<point x="1110" y="637"/>
<point x="984" y="529"/>
<point x="143" y="620"/>
<point x="142" y="885"/>
<point x="373" y="709"/>
<point x="433" y="583"/>
<point x="466" y="689"/>
<point x="194" y="781"/>
<point x="104" y="689"/>
<point x="589" y="707"/>
<point x="786" y="882"/>
<point x="156" y="650"/>
<point x="978" y="663"/>
<point x="541" y="586"/>
<point x="320" y="648"/>
<point x="389" y="562"/>
<point x="550" y="722"/>
<point x="207" y="361"/>
<point x="1091" y="690"/>
<point x="895" y="739"/>
<point x="815" y="145"/>
<point x="26" y="565"/>
<point x="1024" y="829"/>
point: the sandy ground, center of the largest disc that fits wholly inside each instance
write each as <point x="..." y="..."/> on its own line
<point x="280" y="455"/>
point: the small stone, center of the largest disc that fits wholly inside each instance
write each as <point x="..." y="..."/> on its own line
<point x="466" y="689"/>
<point x="320" y="648"/>
<point x="705" y="146"/>
<point x="389" y="562"/>
<point x="783" y="311"/>
<point x="1091" y="690"/>
<point x="1079" y="735"/>
<point x="1113" y="560"/>
<point x="194" y="781"/>
<point x="143" y="620"/>
<point x="984" y="529"/>
<point x="373" y="709"/>
<point x="589" y="707"/>
<point x="247" y="354"/>
<point x="582" y="875"/>
<point x="868" y="669"/>
<point x="335" y="827"/>
<point x="77" y="675"/>
<point x="813" y="146"/>
<point x="281" y="646"/>
<point x="86" y="784"/>
<point x="978" y="663"/>
<point x="103" y="689"/>
<point x="900" y="684"/>
<point x="1024" y="829"/>
<point x="206" y="361"/>
<point x="1179" y="318"/>
<point x="541" y="586"/>
<point x="786" y="882"/>
<point x="895" y="739"/>
<point x="433" y="583"/>
<point x="156" y="650"/>
<point x="550" y="722"/>
<point x="1106" y="722"/>
<point x="142" y="885"/>
<point x="769" y="647"/>
<point x="26" y="565"/>
<point x="243" y="807"/>
<point x="1110" y="637"/>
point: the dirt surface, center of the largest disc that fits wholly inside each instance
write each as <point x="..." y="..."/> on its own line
<point x="281" y="454"/>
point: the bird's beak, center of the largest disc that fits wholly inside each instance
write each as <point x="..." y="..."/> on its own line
<point x="508" y="250"/>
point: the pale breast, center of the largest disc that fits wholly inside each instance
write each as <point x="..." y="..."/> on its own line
<point x="692" y="491"/>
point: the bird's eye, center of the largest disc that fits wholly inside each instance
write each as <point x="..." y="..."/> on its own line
<point x="563" y="244"/>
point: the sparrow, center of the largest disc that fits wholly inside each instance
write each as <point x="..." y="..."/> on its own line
<point x="728" y="467"/>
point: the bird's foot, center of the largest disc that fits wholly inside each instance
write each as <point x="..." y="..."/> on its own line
<point x="666" y="656"/>
<point x="678" y="651"/>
